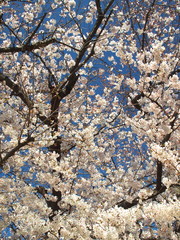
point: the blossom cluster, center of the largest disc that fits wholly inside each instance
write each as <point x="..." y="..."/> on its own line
<point x="89" y="120"/>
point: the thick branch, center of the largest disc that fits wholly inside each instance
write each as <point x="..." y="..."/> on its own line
<point x="159" y="176"/>
<point x="52" y="204"/>
<point x="125" y="204"/>
<point x="16" y="90"/>
<point x="32" y="47"/>
<point x="98" y="5"/>
<point x="174" y="72"/>
<point x="66" y="88"/>
<point x="135" y="102"/>
<point x="14" y="150"/>
<point x="159" y="164"/>
<point x="108" y="6"/>
<point x="91" y="35"/>
<point x="58" y="95"/>
<point x="146" y="22"/>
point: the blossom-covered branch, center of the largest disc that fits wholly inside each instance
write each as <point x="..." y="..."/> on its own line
<point x="89" y="120"/>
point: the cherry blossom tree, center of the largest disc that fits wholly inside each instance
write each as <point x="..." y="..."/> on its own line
<point x="89" y="113"/>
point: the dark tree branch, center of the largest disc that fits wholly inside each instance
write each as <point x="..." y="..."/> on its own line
<point x="61" y="92"/>
<point x="16" y="90"/>
<point x="145" y="25"/>
<point x="35" y="30"/>
<point x="135" y="102"/>
<point x="48" y="69"/>
<point x="159" y="176"/>
<point x="38" y="45"/>
<point x="159" y="164"/>
<point x="67" y="87"/>
<point x="132" y="22"/>
<point x="14" y="150"/>
<point x="98" y="5"/>
<point x="166" y="138"/>
<point x="175" y="116"/>
<point x="12" y="31"/>
<point x="52" y="204"/>
<point x="125" y="204"/>
<point x="108" y="6"/>
<point x="92" y="49"/>
<point x="174" y="72"/>
<point x="90" y="37"/>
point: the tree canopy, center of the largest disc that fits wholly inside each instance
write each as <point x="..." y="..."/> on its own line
<point x="89" y="119"/>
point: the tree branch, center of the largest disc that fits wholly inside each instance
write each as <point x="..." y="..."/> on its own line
<point x="16" y="90"/>
<point x="14" y="150"/>
<point x="125" y="204"/>
<point x="159" y="176"/>
<point x="35" y="30"/>
<point x="108" y="6"/>
<point x="146" y="22"/>
<point x="34" y="46"/>
<point x="135" y="102"/>
<point x="98" y="5"/>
